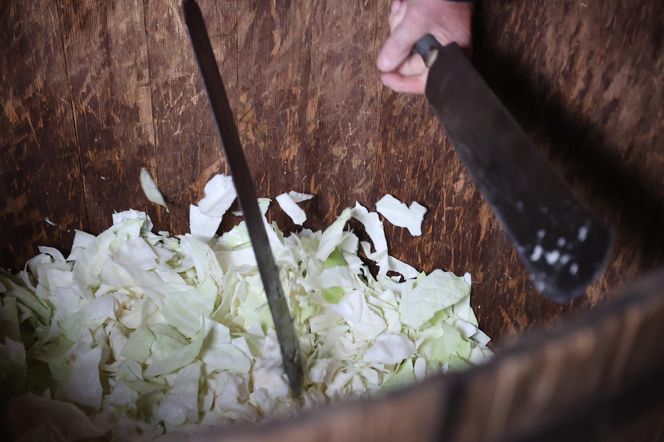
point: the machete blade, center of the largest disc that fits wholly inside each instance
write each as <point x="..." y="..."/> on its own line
<point x="561" y="244"/>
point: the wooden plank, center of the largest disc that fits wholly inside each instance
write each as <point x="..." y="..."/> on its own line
<point x="188" y="147"/>
<point x="39" y="172"/>
<point x="568" y="381"/>
<point x="343" y="108"/>
<point x="106" y="52"/>
<point x="273" y="87"/>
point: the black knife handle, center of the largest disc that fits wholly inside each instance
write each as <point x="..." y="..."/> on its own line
<point x="428" y="48"/>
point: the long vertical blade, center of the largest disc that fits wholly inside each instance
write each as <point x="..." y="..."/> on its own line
<point x="561" y="244"/>
<point x="246" y="193"/>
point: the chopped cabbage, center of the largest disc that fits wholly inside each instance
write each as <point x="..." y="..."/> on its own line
<point x="300" y="197"/>
<point x="401" y="215"/>
<point x="288" y="205"/>
<point x="140" y="333"/>
<point x="205" y="218"/>
<point x="219" y="195"/>
<point x="150" y="189"/>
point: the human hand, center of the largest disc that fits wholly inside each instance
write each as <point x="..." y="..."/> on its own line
<point x="410" y="20"/>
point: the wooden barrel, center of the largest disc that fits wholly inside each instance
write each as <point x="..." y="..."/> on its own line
<point x="93" y="91"/>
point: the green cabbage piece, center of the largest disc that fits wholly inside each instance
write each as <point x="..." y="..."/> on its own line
<point x="139" y="333"/>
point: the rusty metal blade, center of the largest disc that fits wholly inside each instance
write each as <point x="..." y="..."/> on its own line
<point x="561" y="244"/>
<point x="246" y="193"/>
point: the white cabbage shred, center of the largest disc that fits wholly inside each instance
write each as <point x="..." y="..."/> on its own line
<point x="300" y="197"/>
<point x="401" y="215"/>
<point x="150" y="188"/>
<point x="204" y="219"/>
<point x="138" y="333"/>
<point x="289" y="205"/>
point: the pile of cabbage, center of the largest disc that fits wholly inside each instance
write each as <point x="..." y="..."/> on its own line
<point x="136" y="333"/>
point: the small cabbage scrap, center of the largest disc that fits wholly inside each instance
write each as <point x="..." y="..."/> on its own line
<point x="401" y="215"/>
<point x="219" y="195"/>
<point x="288" y="203"/>
<point x="300" y="197"/>
<point x="205" y="218"/>
<point x="202" y="226"/>
<point x="150" y="189"/>
<point x="376" y="232"/>
<point x="137" y="334"/>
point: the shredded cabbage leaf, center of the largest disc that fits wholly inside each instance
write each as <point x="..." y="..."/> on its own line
<point x="150" y="189"/>
<point x="289" y="205"/>
<point x="300" y="197"/>
<point x="401" y="215"/>
<point x="136" y="333"/>
<point x="205" y="218"/>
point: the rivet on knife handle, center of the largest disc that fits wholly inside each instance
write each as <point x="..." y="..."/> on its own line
<point x="246" y="194"/>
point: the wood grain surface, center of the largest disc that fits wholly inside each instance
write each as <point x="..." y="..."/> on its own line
<point x="92" y="91"/>
<point x="40" y="173"/>
<point x="105" y="52"/>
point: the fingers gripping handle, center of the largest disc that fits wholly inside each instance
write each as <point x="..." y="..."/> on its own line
<point x="428" y="48"/>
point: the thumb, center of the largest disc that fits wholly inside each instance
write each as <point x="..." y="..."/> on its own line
<point x="398" y="46"/>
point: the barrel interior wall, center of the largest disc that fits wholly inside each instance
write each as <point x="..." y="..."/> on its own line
<point x="92" y="93"/>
